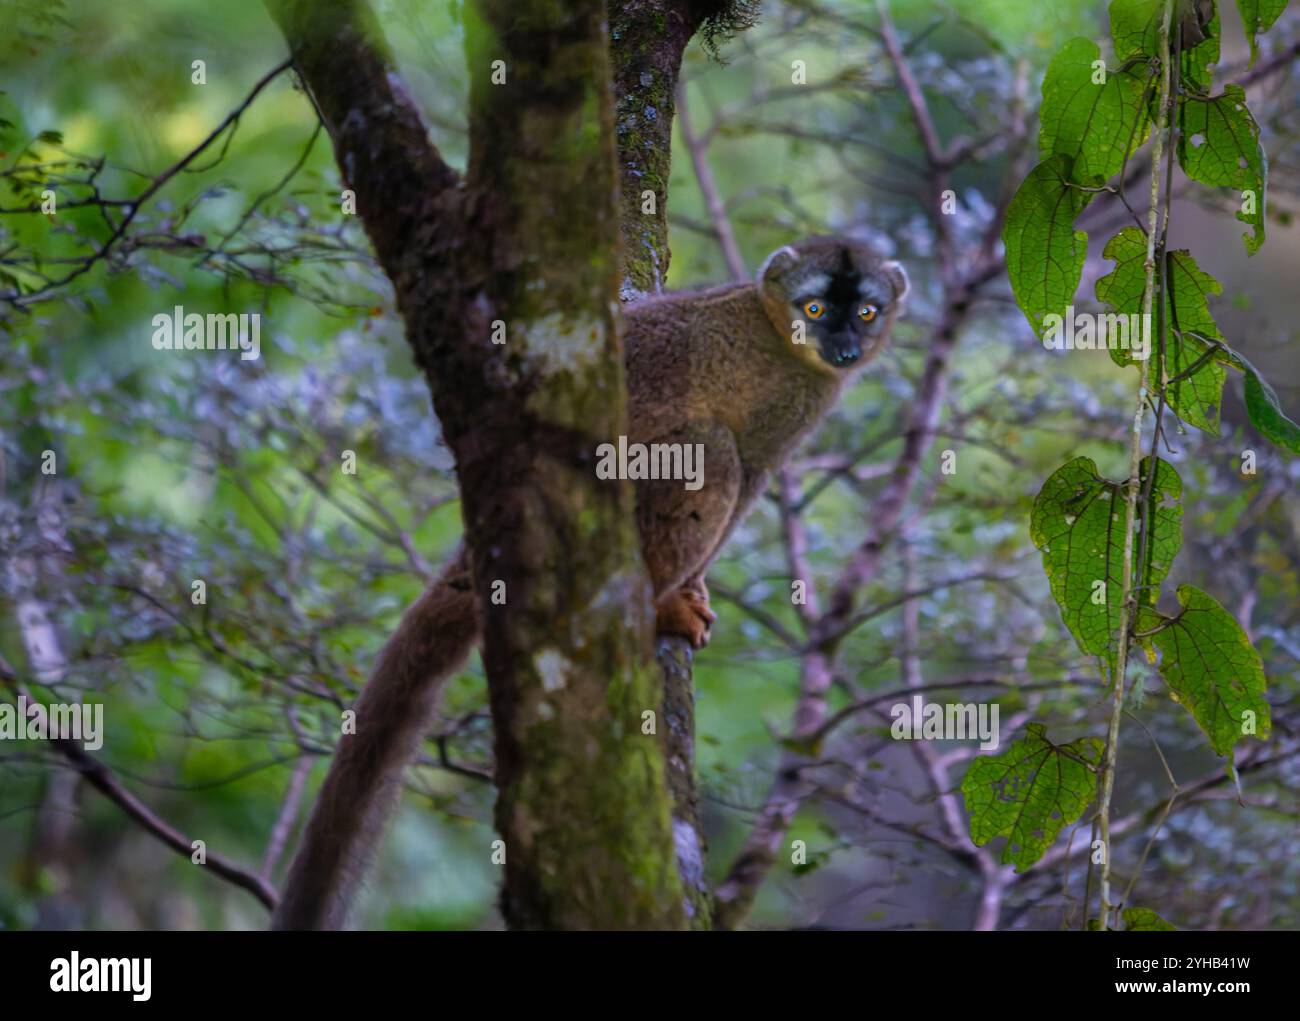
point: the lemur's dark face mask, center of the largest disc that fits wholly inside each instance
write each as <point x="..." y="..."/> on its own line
<point x="844" y="320"/>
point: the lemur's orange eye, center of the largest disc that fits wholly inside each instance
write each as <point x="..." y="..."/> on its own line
<point x="814" y="309"/>
<point x="867" y="313"/>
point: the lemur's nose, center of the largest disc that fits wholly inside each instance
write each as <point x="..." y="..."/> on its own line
<point x="847" y="356"/>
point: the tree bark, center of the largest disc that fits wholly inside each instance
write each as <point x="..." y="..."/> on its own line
<point x="582" y="798"/>
<point x="678" y="742"/>
<point x="648" y="40"/>
<point x="527" y="242"/>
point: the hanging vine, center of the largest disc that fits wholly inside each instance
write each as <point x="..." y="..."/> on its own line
<point x="1108" y="545"/>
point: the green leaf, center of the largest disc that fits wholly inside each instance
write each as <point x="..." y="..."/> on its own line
<point x="1196" y="64"/>
<point x="1078" y="525"/>
<point x="1258" y="16"/>
<point x="1266" y="413"/>
<point x="1230" y="770"/>
<point x="1044" y="252"/>
<point x="1145" y="920"/>
<point x="1135" y="29"/>
<point x="1196" y="399"/>
<point x="1097" y="126"/>
<point x="1211" y="668"/>
<point x="1218" y="145"/>
<point x="1123" y="287"/>
<point x="812" y="865"/>
<point x="1264" y="409"/>
<point x="1029" y="793"/>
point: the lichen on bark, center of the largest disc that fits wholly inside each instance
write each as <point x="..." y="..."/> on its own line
<point x="583" y="801"/>
<point x="530" y="238"/>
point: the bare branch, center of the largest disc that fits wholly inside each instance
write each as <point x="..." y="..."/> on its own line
<point x="99" y="776"/>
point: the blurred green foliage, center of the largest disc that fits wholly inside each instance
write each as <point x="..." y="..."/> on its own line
<point x="176" y="466"/>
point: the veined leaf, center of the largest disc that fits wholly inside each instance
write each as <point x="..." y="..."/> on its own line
<point x="1258" y="16"/>
<point x="1196" y="399"/>
<point x="1029" y="793"/>
<point x="1097" y="126"/>
<point x="1263" y="407"/>
<point x="1211" y="668"/>
<point x="1266" y="412"/>
<point x="1145" y="920"/>
<point x="1218" y="145"/>
<point x="1135" y="29"/>
<point x="1196" y="63"/>
<point x="1078" y="524"/>
<point x="1044" y="252"/>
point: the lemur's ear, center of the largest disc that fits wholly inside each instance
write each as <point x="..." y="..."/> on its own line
<point x="780" y="260"/>
<point x="898" y="277"/>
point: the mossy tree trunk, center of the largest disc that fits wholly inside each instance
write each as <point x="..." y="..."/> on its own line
<point x="525" y="247"/>
<point x="648" y="40"/>
<point x="582" y="797"/>
<point x="508" y="281"/>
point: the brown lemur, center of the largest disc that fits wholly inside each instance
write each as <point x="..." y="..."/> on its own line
<point x="746" y="370"/>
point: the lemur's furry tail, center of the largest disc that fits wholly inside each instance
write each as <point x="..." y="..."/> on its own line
<point x="393" y="712"/>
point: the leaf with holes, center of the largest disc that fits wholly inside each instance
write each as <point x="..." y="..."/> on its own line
<point x="1211" y="668"/>
<point x="1029" y="793"/>
<point x="1218" y="145"/>
<point x="1044" y="252"/>
<point x="1078" y="524"/>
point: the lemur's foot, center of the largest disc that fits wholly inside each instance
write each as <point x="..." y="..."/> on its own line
<point x="685" y="611"/>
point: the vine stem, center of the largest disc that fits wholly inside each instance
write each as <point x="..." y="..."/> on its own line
<point x="1134" y="484"/>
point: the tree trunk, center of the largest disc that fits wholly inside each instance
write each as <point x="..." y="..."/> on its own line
<point x="527" y="244"/>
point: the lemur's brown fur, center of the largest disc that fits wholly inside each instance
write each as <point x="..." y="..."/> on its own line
<point x="720" y="367"/>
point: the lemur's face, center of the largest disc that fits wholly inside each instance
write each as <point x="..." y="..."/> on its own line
<point x="844" y="313"/>
<point x="844" y="294"/>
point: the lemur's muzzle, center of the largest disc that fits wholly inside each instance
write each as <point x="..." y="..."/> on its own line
<point x="843" y="351"/>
